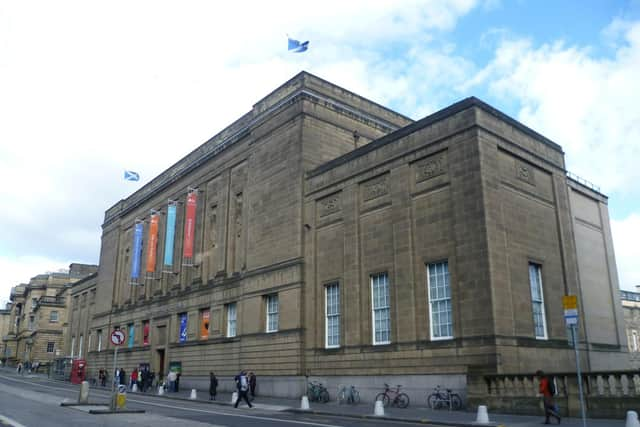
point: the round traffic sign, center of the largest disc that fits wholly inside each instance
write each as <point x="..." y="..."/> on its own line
<point x="117" y="337"/>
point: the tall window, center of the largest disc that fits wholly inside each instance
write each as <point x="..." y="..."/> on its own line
<point x="32" y="323"/>
<point x="231" y="319"/>
<point x="145" y="332"/>
<point x="99" y="339"/>
<point x="53" y="316"/>
<point x="50" y="346"/>
<point x="439" y="300"/>
<point x="272" y="313"/>
<point x="634" y="336"/>
<point x="332" y="324"/>
<point x="80" y="347"/>
<point x="537" y="301"/>
<point x="89" y="343"/>
<point x="380" y="309"/>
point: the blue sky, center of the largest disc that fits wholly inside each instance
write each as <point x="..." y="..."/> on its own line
<point x="91" y="89"/>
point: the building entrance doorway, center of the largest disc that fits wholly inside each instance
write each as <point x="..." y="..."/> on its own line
<point x="160" y="355"/>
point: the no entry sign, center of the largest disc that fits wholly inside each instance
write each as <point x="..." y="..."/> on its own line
<point x="117" y="337"/>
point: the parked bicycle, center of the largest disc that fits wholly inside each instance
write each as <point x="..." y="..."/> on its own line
<point x="393" y="396"/>
<point x="316" y="392"/>
<point x="348" y="394"/>
<point x="441" y="398"/>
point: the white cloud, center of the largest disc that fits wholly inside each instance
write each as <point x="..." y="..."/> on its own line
<point x="90" y="89"/>
<point x="587" y="104"/>
<point x="626" y="234"/>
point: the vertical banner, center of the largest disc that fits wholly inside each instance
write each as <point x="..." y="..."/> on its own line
<point x="183" y="327"/>
<point x="145" y="333"/>
<point x="153" y="243"/>
<point x="189" y="228"/>
<point x="204" y="324"/>
<point x="137" y="252"/>
<point x="170" y="236"/>
<point x="132" y="330"/>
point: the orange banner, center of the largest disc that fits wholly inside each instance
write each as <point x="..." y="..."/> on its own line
<point x="189" y="225"/>
<point x="204" y="324"/>
<point x="153" y="244"/>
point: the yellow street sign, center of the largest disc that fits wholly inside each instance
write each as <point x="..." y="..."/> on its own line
<point x="570" y="302"/>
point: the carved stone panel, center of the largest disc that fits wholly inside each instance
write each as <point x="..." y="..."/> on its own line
<point x="431" y="167"/>
<point x="525" y="172"/>
<point x="374" y="188"/>
<point x="329" y="205"/>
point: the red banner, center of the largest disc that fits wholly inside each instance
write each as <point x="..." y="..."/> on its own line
<point x="145" y="333"/>
<point x="189" y="225"/>
<point x="153" y="244"/>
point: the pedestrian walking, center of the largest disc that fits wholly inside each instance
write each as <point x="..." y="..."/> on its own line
<point x="242" y="383"/>
<point x="171" y="379"/>
<point x="134" y="379"/>
<point x="548" y="390"/>
<point x="252" y="385"/>
<point x="102" y="377"/>
<point x="19" y="368"/>
<point x="123" y="377"/>
<point x="213" y="386"/>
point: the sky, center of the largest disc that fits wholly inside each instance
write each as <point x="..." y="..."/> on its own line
<point x="89" y="89"/>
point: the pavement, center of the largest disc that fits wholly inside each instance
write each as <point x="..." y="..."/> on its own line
<point x="365" y="410"/>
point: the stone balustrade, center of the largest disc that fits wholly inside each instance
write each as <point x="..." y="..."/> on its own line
<point x="607" y="394"/>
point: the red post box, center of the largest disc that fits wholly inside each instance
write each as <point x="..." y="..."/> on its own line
<point x="78" y="371"/>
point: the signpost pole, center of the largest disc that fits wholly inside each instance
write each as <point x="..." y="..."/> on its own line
<point x="574" y="333"/>
<point x="113" y="379"/>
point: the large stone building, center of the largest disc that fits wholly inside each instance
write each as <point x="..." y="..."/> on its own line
<point x="324" y="236"/>
<point x="37" y="316"/>
<point x="631" y="310"/>
<point x="5" y="327"/>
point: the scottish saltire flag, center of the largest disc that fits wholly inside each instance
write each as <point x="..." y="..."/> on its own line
<point x="296" y="46"/>
<point x="131" y="176"/>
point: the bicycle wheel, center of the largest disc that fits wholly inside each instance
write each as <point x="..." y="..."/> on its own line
<point x="456" y="402"/>
<point x="432" y="401"/>
<point x="324" y="396"/>
<point x="383" y="398"/>
<point x="402" y="400"/>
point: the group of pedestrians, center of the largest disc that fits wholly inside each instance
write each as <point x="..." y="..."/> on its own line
<point x="143" y="378"/>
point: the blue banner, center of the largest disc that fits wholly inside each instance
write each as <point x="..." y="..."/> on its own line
<point x="137" y="251"/>
<point x="132" y="331"/>
<point x="183" y="327"/>
<point x="171" y="232"/>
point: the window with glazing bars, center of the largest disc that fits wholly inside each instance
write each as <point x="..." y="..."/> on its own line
<point x="332" y="324"/>
<point x="537" y="301"/>
<point x="272" y="313"/>
<point x="440" y="300"/>
<point x="380" y="309"/>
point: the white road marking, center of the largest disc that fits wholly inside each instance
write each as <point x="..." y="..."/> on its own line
<point x="230" y="414"/>
<point x="10" y="421"/>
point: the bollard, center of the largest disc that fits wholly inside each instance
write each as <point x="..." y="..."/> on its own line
<point x="304" y="403"/>
<point x="378" y="410"/>
<point x="194" y="394"/>
<point x="234" y="397"/>
<point x="134" y="388"/>
<point x="83" y="397"/>
<point x="161" y="390"/>
<point x="632" y="419"/>
<point x="482" y="418"/>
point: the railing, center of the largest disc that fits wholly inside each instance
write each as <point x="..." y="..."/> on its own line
<point x="584" y="182"/>
<point x="51" y="300"/>
<point x="607" y="394"/>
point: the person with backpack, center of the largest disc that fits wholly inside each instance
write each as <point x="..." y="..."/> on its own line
<point x="548" y="390"/>
<point x="242" y="383"/>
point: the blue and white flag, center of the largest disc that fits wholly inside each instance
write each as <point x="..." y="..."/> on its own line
<point x="131" y="176"/>
<point x="297" y="46"/>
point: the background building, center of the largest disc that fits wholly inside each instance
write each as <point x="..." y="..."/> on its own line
<point x="631" y="309"/>
<point x="38" y="316"/>
<point x="322" y="235"/>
